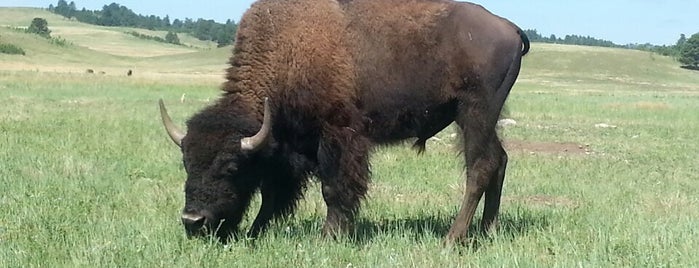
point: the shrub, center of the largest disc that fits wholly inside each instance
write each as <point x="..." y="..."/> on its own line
<point x="59" y="41"/>
<point x="11" y="49"/>
<point x="39" y="26"/>
<point x="172" y="38"/>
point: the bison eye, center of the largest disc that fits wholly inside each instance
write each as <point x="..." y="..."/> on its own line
<point x="231" y="167"/>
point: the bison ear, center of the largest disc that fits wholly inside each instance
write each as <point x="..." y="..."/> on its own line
<point x="256" y="142"/>
<point x="175" y="133"/>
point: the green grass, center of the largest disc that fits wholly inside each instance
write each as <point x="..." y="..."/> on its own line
<point x="90" y="179"/>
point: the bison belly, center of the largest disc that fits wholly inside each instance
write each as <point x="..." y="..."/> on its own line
<point x="394" y="119"/>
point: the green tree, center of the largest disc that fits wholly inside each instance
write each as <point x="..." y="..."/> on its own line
<point x="172" y="38"/>
<point x="681" y="41"/>
<point x="40" y="26"/>
<point x="71" y="9"/>
<point x="62" y="8"/>
<point x="166" y="22"/>
<point x="553" y="38"/>
<point x="689" y="53"/>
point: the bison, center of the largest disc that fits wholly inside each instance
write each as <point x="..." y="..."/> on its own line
<point x="314" y="85"/>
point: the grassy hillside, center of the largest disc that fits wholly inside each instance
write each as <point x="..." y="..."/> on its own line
<point x="90" y="179"/>
<point x="110" y="40"/>
<point x="566" y="67"/>
<point x="104" y="49"/>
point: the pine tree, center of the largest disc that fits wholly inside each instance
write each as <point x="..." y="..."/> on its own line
<point x="689" y="53"/>
<point x="681" y="41"/>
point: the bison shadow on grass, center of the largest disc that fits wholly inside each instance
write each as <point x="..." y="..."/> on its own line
<point x="417" y="228"/>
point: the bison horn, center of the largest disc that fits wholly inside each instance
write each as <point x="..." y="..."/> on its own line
<point x="255" y="142"/>
<point x="175" y="133"/>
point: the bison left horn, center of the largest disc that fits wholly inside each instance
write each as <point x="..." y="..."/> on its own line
<point x="175" y="133"/>
<point x="255" y="142"/>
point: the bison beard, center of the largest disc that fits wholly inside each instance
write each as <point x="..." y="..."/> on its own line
<point x="315" y="84"/>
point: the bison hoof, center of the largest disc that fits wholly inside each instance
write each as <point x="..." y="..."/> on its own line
<point x="335" y="230"/>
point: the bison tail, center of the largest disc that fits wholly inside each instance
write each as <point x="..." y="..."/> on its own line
<point x="525" y="42"/>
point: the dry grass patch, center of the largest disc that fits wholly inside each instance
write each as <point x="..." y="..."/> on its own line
<point x="113" y="41"/>
<point x="670" y="204"/>
<point x="546" y="147"/>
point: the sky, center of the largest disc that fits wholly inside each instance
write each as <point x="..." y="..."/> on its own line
<point x="658" y="22"/>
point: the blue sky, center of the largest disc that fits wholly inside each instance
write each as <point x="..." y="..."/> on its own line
<point x="621" y="21"/>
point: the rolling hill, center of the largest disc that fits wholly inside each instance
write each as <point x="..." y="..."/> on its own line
<point x="554" y="67"/>
<point x="109" y="49"/>
<point x="548" y="67"/>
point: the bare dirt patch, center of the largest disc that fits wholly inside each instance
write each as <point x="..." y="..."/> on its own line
<point x="546" y="147"/>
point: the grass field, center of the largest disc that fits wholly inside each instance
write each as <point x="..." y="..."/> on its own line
<point x="90" y="179"/>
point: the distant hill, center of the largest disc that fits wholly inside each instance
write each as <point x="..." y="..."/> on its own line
<point x="121" y="16"/>
<point x="548" y="67"/>
<point x="573" y="39"/>
<point x="555" y="67"/>
<point x="99" y="47"/>
<point x="111" y="40"/>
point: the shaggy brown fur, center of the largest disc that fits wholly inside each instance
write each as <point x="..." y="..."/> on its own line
<point x="343" y="76"/>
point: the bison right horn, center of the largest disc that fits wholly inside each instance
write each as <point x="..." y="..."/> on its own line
<point x="255" y="142"/>
<point x="175" y="133"/>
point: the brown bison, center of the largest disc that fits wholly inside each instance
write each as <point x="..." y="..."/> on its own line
<point x="313" y="85"/>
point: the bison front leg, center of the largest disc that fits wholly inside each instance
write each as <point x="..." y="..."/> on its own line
<point x="344" y="174"/>
<point x="265" y="214"/>
<point x="280" y="196"/>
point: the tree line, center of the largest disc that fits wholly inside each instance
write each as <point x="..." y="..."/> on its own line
<point x="686" y="50"/>
<point x="535" y="36"/>
<point x="118" y="15"/>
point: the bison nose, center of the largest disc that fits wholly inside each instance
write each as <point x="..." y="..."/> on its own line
<point x="193" y="222"/>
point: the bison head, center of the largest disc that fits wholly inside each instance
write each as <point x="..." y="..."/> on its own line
<point x="220" y="164"/>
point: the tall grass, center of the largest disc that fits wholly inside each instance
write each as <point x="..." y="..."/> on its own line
<point x="90" y="180"/>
